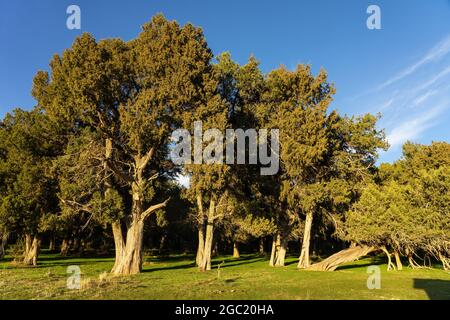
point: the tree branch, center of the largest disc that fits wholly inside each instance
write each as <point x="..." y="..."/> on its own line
<point x="153" y="208"/>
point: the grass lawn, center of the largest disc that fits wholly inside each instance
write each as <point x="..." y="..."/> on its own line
<point x="249" y="277"/>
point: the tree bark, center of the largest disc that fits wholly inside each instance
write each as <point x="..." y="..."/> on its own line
<point x="303" y="261"/>
<point x="235" y="250"/>
<point x="32" y="253"/>
<point x="206" y="261"/>
<point x="131" y="259"/>
<point x="343" y="256"/>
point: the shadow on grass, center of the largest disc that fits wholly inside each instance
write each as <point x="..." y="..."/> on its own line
<point x="374" y="260"/>
<point x="232" y="262"/>
<point x="176" y="267"/>
<point x="190" y="259"/>
<point x="436" y="289"/>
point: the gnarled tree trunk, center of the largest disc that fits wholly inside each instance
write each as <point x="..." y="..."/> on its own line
<point x="390" y="266"/>
<point x="129" y="257"/>
<point x="303" y="261"/>
<point x="343" y="256"/>
<point x="32" y="246"/>
<point x="282" y="243"/>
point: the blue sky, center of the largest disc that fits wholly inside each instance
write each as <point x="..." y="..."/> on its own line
<point x="402" y="70"/>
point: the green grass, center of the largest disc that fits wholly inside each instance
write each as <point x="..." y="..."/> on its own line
<point x="249" y="277"/>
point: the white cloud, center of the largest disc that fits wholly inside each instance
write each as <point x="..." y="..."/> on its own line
<point x="438" y="51"/>
<point x="421" y="99"/>
<point x="412" y="128"/>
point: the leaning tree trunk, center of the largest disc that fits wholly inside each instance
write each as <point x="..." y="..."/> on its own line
<point x="303" y="261"/>
<point x="390" y="266"/>
<point x="445" y="261"/>
<point x="343" y="256"/>
<point x="235" y="250"/>
<point x="206" y="261"/>
<point x="32" y="251"/>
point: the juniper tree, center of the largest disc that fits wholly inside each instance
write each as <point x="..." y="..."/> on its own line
<point x="29" y="184"/>
<point x="133" y="94"/>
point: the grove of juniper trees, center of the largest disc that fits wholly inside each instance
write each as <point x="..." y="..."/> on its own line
<point x="88" y="169"/>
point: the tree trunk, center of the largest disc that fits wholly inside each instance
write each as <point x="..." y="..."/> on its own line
<point x="398" y="261"/>
<point x="445" y="261"/>
<point x="51" y="245"/>
<point x="303" y="261"/>
<point x="131" y="259"/>
<point x="206" y="262"/>
<point x="235" y="250"/>
<point x="32" y="253"/>
<point x="28" y="243"/>
<point x="162" y="243"/>
<point x="215" y="249"/>
<point x="201" y="232"/>
<point x="275" y="249"/>
<point x="3" y="241"/>
<point x="65" y="246"/>
<point x="119" y="244"/>
<point x="261" y="247"/>
<point x="343" y="256"/>
<point x="281" y="255"/>
<point x="390" y="266"/>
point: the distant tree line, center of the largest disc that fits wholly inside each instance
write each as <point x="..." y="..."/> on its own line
<point x="89" y="168"/>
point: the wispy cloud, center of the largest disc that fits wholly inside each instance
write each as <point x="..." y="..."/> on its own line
<point x="413" y="127"/>
<point x="422" y="98"/>
<point x="437" y="52"/>
<point x="433" y="80"/>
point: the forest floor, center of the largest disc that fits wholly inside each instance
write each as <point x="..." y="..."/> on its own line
<point x="248" y="277"/>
